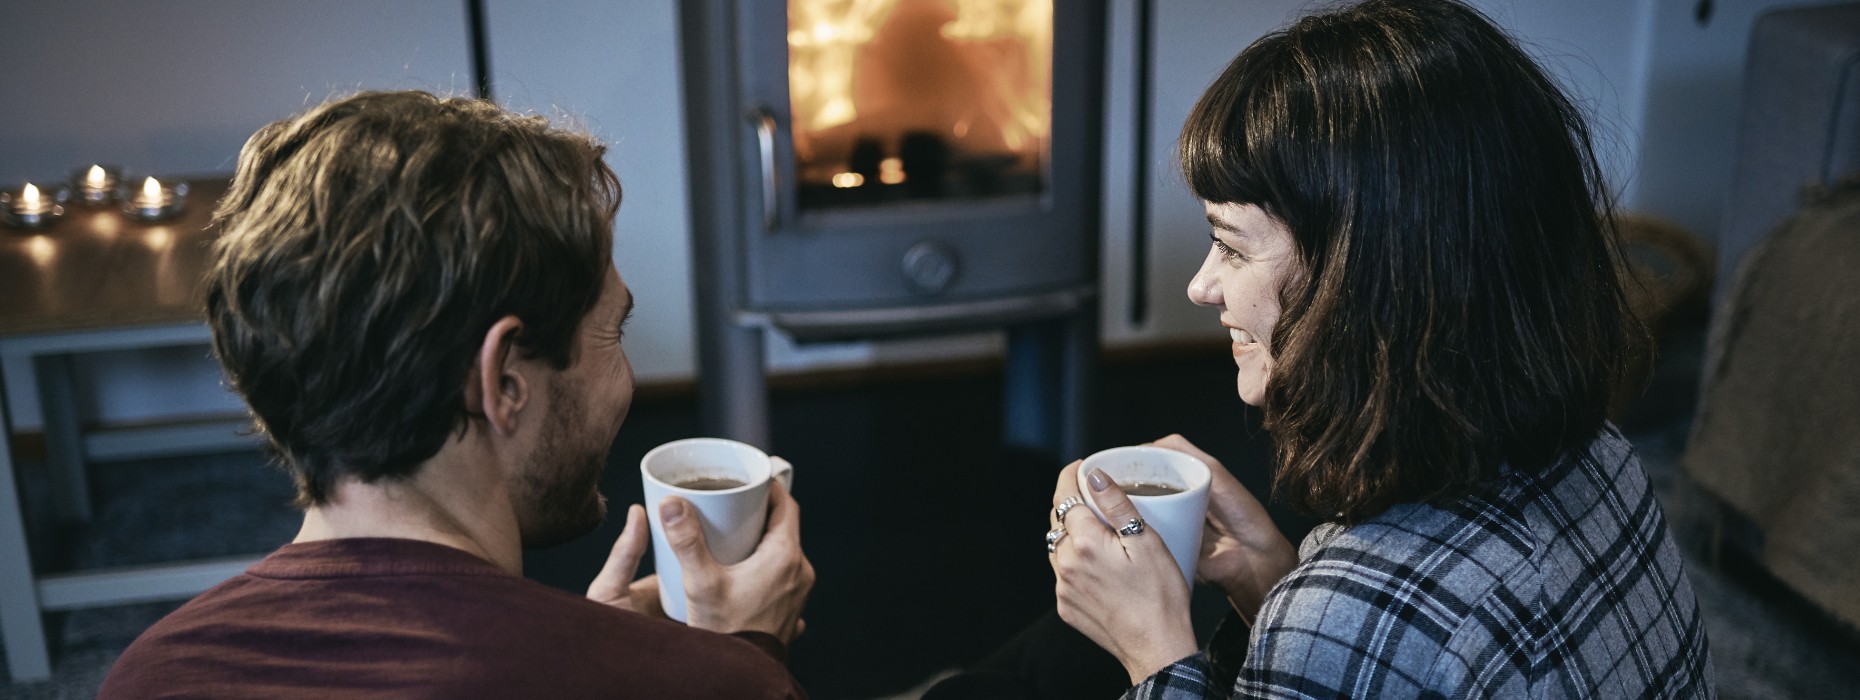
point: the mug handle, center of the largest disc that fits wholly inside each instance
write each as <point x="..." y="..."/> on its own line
<point x="781" y="470"/>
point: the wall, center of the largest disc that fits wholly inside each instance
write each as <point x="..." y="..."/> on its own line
<point x="613" y="69"/>
<point x="1695" y="77"/>
<point x="175" y="87"/>
<point x="1593" y="46"/>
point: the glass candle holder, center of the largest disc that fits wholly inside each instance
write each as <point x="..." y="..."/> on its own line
<point x="30" y="207"/>
<point x="154" y="201"/>
<point x="95" y="186"/>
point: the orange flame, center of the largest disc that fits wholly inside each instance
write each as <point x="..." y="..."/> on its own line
<point x="978" y="73"/>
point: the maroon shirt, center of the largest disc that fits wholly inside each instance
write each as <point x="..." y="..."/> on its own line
<point x="409" y="619"/>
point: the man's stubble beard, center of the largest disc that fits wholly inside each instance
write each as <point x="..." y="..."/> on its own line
<point x="557" y="493"/>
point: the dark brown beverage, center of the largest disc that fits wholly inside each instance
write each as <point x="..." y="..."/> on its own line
<point x="1145" y="488"/>
<point x="709" y="483"/>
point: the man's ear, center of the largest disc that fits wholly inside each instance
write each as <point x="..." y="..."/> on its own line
<point x="496" y="387"/>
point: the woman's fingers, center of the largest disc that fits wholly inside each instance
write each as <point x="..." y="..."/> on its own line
<point x="1121" y="591"/>
<point x="1116" y="506"/>
<point x="1175" y="441"/>
<point x="1229" y="503"/>
<point x="1068" y="486"/>
<point x="1065" y="490"/>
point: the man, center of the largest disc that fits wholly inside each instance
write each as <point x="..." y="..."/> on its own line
<point x="416" y="298"/>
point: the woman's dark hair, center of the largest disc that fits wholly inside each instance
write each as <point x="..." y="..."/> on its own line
<point x="368" y="245"/>
<point x="1457" y="307"/>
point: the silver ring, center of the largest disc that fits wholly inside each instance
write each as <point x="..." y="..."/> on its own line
<point x="1134" y="527"/>
<point x="1053" y="537"/>
<point x="1065" y="507"/>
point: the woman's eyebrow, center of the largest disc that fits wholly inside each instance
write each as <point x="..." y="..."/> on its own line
<point x="1216" y="222"/>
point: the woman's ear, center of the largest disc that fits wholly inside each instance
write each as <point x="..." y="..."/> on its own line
<point x="496" y="389"/>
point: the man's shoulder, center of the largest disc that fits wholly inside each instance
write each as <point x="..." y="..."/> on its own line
<point x="465" y="631"/>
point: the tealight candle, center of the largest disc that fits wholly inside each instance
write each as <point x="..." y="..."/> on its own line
<point x="30" y="208"/>
<point x="155" y="201"/>
<point x="96" y="185"/>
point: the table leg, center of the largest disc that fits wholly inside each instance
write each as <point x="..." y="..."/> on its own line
<point x="64" y="439"/>
<point x="21" y="625"/>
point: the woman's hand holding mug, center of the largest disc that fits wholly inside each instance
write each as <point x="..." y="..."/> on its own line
<point x="1242" y="552"/>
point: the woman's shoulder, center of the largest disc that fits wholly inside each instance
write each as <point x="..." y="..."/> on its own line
<point x="1392" y="593"/>
<point x="1435" y="564"/>
<point x="1437" y="561"/>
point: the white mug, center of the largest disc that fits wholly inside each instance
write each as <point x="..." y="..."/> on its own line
<point x="733" y="518"/>
<point x="1178" y="517"/>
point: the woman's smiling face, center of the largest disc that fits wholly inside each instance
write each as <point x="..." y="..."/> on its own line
<point x="1242" y="276"/>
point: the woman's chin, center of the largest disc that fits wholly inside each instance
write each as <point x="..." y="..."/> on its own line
<point x="1250" y="392"/>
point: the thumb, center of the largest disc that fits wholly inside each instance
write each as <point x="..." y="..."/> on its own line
<point x="1110" y="498"/>
<point x="684" y="533"/>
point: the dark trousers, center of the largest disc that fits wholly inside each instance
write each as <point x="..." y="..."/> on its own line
<point x="1047" y="661"/>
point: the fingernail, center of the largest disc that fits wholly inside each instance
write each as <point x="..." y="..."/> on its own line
<point x="1098" y="481"/>
<point x="672" y="511"/>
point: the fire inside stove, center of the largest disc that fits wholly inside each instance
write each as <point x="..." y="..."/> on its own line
<point x="900" y="100"/>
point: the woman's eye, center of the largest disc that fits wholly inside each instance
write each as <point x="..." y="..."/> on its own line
<point x="1228" y="254"/>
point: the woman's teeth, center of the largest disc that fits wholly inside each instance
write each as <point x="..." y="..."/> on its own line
<point x="1240" y="336"/>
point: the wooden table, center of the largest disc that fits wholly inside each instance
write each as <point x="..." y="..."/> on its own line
<point x="95" y="281"/>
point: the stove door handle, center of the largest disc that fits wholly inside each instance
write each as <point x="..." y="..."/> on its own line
<point x="765" y="149"/>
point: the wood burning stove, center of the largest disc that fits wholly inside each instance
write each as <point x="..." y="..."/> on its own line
<point x="874" y="168"/>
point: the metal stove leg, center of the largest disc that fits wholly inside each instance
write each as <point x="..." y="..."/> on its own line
<point x="1047" y="403"/>
<point x="732" y="386"/>
<point x="1078" y="372"/>
<point x="1030" y="403"/>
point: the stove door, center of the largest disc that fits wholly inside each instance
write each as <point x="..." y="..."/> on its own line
<point x="905" y="154"/>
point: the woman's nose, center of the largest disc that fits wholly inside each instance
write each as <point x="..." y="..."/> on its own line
<point x="1205" y="288"/>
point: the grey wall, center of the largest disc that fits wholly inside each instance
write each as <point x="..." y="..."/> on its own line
<point x="612" y="67"/>
<point x="175" y="88"/>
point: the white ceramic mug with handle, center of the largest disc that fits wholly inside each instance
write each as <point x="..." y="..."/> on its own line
<point x="1176" y="517"/>
<point x="727" y="484"/>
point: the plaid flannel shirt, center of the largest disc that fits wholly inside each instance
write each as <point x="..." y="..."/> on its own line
<point x="1560" y="585"/>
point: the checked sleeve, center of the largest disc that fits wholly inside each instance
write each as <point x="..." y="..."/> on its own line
<point x="1187" y="679"/>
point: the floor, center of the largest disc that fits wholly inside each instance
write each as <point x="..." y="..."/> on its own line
<point x="924" y="529"/>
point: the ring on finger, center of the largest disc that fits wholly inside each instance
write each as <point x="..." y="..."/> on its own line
<point x="1131" y="528"/>
<point x="1065" y="507"/>
<point x="1053" y="537"/>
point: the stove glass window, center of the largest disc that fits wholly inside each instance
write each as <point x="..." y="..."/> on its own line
<point x="919" y="100"/>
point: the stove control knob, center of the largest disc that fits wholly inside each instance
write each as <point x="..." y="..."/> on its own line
<point x="930" y="267"/>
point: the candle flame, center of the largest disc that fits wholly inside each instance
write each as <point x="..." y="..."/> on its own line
<point x="29" y="197"/>
<point x="95" y="178"/>
<point x="151" y="190"/>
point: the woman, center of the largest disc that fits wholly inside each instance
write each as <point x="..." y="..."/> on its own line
<point x="1413" y="252"/>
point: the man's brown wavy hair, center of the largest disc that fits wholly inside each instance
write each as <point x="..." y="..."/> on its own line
<point x="368" y="245"/>
<point x="1457" y="308"/>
